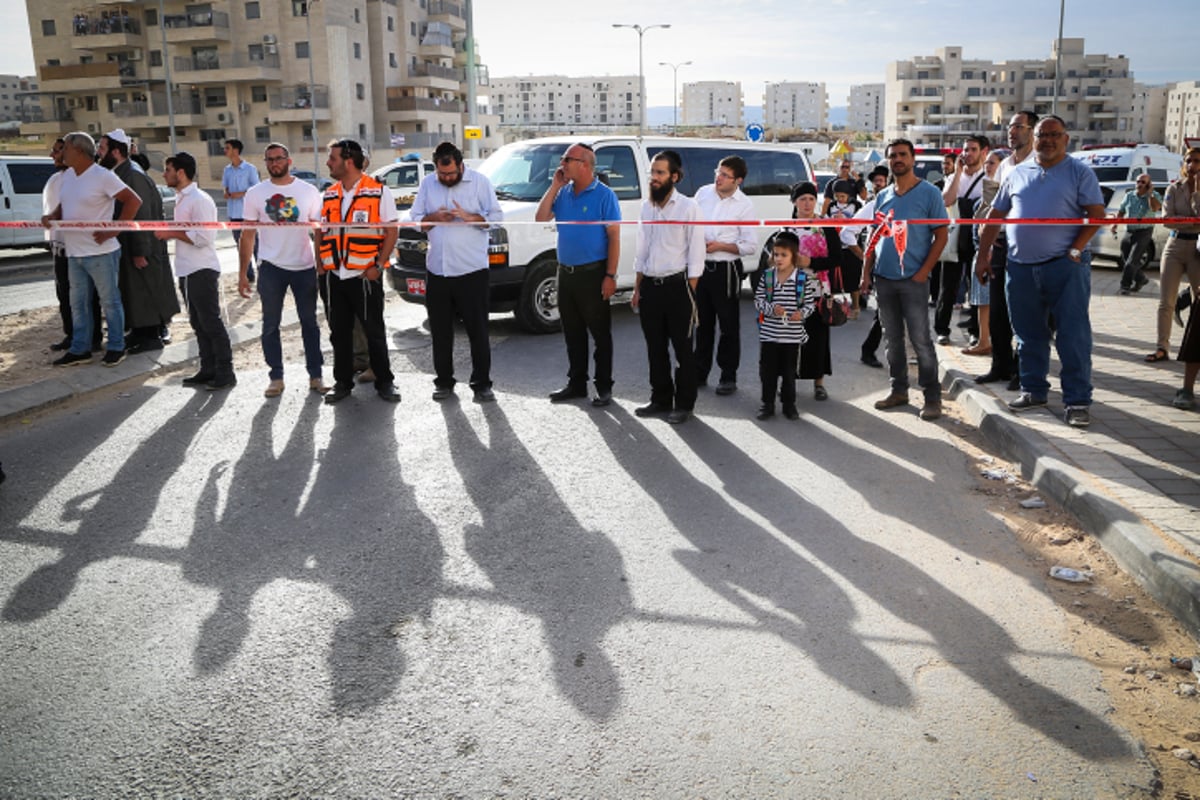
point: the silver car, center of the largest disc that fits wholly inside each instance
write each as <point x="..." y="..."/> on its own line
<point x="1107" y="245"/>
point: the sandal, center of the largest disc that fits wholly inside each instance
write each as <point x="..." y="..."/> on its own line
<point x="1157" y="355"/>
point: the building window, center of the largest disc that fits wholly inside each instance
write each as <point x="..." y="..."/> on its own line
<point x="356" y="17"/>
<point x="258" y="94"/>
<point x="391" y="24"/>
<point x="47" y="27"/>
<point x="214" y="97"/>
<point x="412" y="29"/>
<point x="358" y="51"/>
<point x="301" y="49"/>
<point x="156" y="58"/>
<point x="392" y="60"/>
<point x="360" y="91"/>
<point x="362" y="131"/>
<point x="253" y="11"/>
<point x="151" y="17"/>
<point x="262" y="134"/>
<point x="306" y="133"/>
<point x="256" y="52"/>
<point x="299" y="8"/>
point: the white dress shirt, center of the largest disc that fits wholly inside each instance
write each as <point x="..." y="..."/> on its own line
<point x="666" y="249"/>
<point x="736" y="207"/>
<point x="200" y="250"/>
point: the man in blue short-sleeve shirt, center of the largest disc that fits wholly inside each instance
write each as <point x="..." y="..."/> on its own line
<point x="902" y="286"/>
<point x="588" y="256"/>
<point x="1049" y="268"/>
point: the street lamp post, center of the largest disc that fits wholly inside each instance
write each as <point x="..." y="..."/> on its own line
<point x="675" y="95"/>
<point x="641" y="31"/>
<point x="312" y="88"/>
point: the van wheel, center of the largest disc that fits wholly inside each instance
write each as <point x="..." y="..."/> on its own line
<point x="538" y="310"/>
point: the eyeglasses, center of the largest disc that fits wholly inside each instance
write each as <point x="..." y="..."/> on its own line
<point x="1016" y="126"/>
<point x="270" y="159"/>
<point x="1049" y="135"/>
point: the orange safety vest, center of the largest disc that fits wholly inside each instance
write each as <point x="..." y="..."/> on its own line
<point x="352" y="248"/>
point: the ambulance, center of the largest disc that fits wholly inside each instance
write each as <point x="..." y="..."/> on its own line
<point x="1124" y="162"/>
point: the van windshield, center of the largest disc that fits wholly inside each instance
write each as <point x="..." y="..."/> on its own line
<point x="523" y="173"/>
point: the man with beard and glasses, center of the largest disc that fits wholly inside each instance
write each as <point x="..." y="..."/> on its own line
<point x="199" y="273"/>
<point x="147" y="286"/>
<point x="668" y="265"/>
<point x="286" y="261"/>
<point x="1049" y="269"/>
<point x="463" y="205"/>
<point x="353" y="260"/>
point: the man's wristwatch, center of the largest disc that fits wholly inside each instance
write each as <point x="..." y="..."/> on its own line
<point x="611" y="275"/>
<point x="1075" y="253"/>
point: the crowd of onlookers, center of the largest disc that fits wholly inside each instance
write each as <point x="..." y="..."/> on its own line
<point x="117" y="21"/>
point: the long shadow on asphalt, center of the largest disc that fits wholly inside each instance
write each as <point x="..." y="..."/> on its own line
<point x="377" y="552"/>
<point x="965" y="637"/>
<point x="734" y="557"/>
<point x="540" y="559"/>
<point x="111" y="521"/>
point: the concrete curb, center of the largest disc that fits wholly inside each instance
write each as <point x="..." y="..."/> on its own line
<point x="85" y="378"/>
<point x="1136" y="546"/>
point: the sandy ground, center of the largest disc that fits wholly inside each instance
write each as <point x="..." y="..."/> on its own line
<point x="1117" y="627"/>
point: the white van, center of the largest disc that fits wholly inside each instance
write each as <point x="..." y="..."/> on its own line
<point x="1121" y="163"/>
<point x="523" y="256"/>
<point x="22" y="179"/>
<point x="403" y="178"/>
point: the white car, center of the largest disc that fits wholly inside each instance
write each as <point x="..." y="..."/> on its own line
<point x="1107" y="245"/>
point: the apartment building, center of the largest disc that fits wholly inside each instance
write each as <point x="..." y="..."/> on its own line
<point x="381" y="71"/>
<point x="712" y="103"/>
<point x="796" y="105"/>
<point x="19" y="99"/>
<point x="560" y="101"/>
<point x="1182" y="115"/>
<point x="865" y="109"/>
<point x="941" y="98"/>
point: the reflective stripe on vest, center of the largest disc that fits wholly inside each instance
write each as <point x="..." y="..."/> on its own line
<point x="352" y="248"/>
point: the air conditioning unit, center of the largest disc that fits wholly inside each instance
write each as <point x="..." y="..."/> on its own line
<point x="224" y="117"/>
<point x="134" y="55"/>
<point x="270" y="49"/>
<point x="269" y="39"/>
<point x="93" y="128"/>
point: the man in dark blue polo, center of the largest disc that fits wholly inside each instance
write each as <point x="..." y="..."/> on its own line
<point x="587" y="275"/>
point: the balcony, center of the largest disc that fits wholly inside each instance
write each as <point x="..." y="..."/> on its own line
<point x="447" y="12"/>
<point x="152" y="113"/>
<point x="197" y="26"/>
<point x="225" y="68"/>
<point x="402" y="109"/>
<point x="85" y="77"/>
<point x="106" y="31"/>
<point x="437" y="41"/>
<point x="298" y="103"/>
<point x="435" y="77"/>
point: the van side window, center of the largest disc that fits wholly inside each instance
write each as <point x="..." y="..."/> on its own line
<point x="1158" y="175"/>
<point x="619" y="166"/>
<point x="29" y="178"/>
<point x="770" y="172"/>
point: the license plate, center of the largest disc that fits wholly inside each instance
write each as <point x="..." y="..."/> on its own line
<point x="416" y="286"/>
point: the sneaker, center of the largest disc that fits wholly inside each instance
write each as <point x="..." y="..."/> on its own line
<point x="112" y="358"/>
<point x="1025" y="401"/>
<point x="1184" y="399"/>
<point x="1077" y="416"/>
<point x="69" y="359"/>
<point x="931" y="410"/>
<point x="893" y="400"/>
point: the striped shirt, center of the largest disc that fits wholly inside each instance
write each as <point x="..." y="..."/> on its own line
<point x="801" y="291"/>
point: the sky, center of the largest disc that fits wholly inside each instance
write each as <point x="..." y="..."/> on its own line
<point x="758" y="41"/>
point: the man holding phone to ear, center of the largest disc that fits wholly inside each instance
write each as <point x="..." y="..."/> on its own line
<point x="588" y="256"/>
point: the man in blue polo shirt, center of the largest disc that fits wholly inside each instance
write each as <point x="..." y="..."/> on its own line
<point x="587" y="275"/>
<point x="902" y="285"/>
<point x="1049" y="268"/>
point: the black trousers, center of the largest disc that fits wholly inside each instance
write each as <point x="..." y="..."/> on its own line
<point x="951" y="278"/>
<point x="201" y="295"/>
<point x="874" y="337"/>
<point x="359" y="299"/>
<point x="584" y="310"/>
<point x="62" y="290"/>
<point x="777" y="369"/>
<point x="465" y="296"/>
<point x="717" y="302"/>
<point x="667" y="311"/>
<point x="1004" y="357"/>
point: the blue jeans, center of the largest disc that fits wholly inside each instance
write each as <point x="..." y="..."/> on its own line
<point x="1064" y="288"/>
<point x="905" y="304"/>
<point x="101" y="271"/>
<point x="273" y="283"/>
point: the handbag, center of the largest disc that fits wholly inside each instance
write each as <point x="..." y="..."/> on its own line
<point x="834" y="305"/>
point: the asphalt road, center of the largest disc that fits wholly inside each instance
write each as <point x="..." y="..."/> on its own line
<point x="224" y="596"/>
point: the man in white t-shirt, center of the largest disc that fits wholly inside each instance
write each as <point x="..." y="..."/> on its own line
<point x="88" y="193"/>
<point x="286" y="260"/>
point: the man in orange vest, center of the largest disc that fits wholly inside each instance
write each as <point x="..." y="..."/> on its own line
<point x="352" y="260"/>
